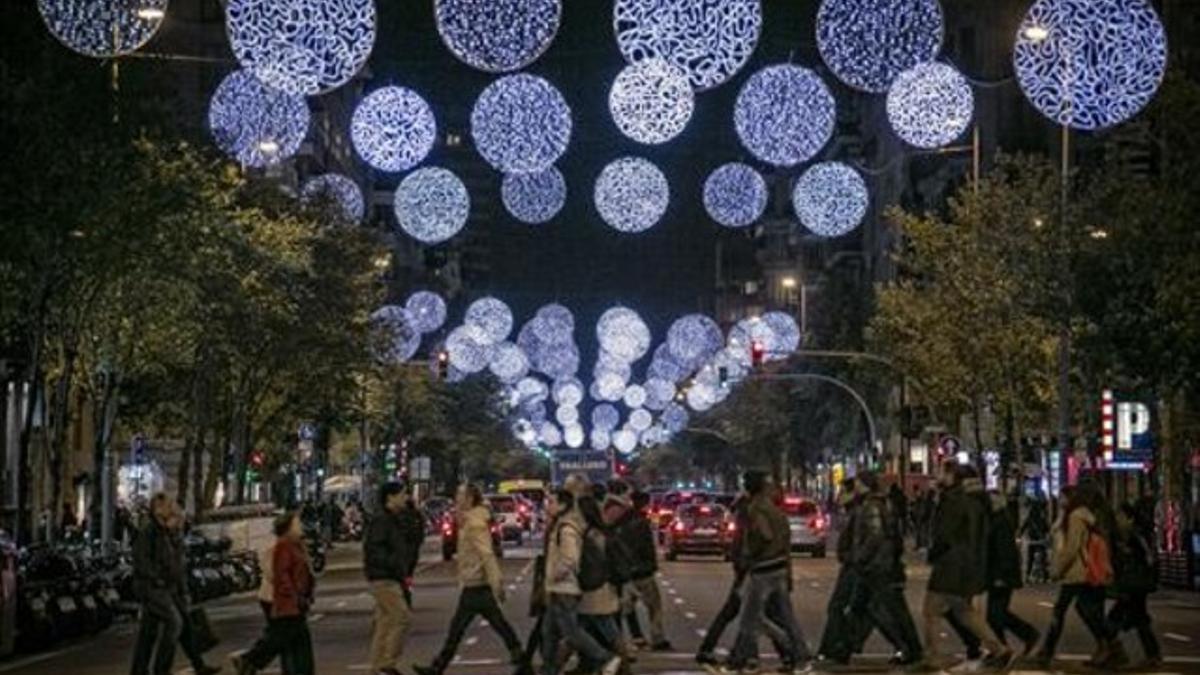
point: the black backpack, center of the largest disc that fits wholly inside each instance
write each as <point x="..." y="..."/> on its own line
<point x="593" y="562"/>
<point x="621" y="559"/>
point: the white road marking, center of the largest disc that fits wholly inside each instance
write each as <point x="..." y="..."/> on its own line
<point x="700" y="632"/>
<point x="315" y="618"/>
<point x="512" y="587"/>
<point x="466" y="663"/>
<point x="690" y="615"/>
<point x="814" y="584"/>
<point x="471" y="641"/>
<point x="1177" y="637"/>
<point x="679" y="601"/>
<point x="341" y="604"/>
<point x="483" y="623"/>
<point x="1047" y="605"/>
<point x="671" y="591"/>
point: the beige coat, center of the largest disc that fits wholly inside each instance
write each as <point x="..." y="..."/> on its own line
<point x="563" y="553"/>
<point x="476" y="560"/>
<point x="266" y="565"/>
<point x="1070" y="538"/>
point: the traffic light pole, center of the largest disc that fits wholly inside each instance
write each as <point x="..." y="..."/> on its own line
<point x="862" y="402"/>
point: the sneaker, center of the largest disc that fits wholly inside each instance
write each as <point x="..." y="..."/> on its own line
<point x="661" y="646"/>
<point x="999" y="660"/>
<point x="241" y="666"/>
<point x="612" y="667"/>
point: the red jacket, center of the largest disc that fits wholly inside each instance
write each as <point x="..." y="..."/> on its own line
<point x="293" y="580"/>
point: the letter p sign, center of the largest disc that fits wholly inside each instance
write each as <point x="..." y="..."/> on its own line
<point x="1133" y="423"/>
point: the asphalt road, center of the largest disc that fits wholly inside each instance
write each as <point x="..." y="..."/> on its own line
<point x="693" y="590"/>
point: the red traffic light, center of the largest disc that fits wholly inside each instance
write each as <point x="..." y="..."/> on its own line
<point x="758" y="352"/>
<point x="443" y="364"/>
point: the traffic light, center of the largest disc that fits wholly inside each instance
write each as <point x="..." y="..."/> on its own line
<point x="443" y="364"/>
<point x="758" y="352"/>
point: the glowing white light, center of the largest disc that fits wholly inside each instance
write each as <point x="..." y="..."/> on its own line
<point x="1090" y="64"/>
<point x="557" y="320"/>
<point x="302" y="47"/>
<point x="466" y="353"/>
<point x="785" y="334"/>
<point x="930" y="105"/>
<point x="508" y="363"/>
<point x="625" y="441"/>
<point x="103" y="29"/>
<point x="694" y="338"/>
<point x="651" y="101"/>
<point x="393" y="129"/>
<point x="550" y="434"/>
<point x="601" y="440"/>
<point x="533" y="389"/>
<point x="573" y="436"/>
<point x="701" y="396"/>
<point x="534" y="198"/>
<point x="428" y="311"/>
<point x="557" y="359"/>
<point x="830" y="199"/>
<point x="610" y="386"/>
<point x="744" y="334"/>
<point x="664" y="366"/>
<point x="497" y="36"/>
<point x="605" y="417"/>
<point x="675" y="418"/>
<point x="338" y="189"/>
<point x="735" y="195"/>
<point x="256" y="125"/>
<point x="867" y="43"/>
<point x="635" y="396"/>
<point x="632" y="194"/>
<point x="492" y="317"/>
<point x="521" y="124"/>
<point x="568" y="391"/>
<point x="623" y="334"/>
<point x="432" y="205"/>
<point x="398" y="340"/>
<point x="567" y="415"/>
<point x="784" y="114"/>
<point x="609" y="363"/>
<point x="710" y="39"/>
<point x="659" y="392"/>
<point x="640" y="420"/>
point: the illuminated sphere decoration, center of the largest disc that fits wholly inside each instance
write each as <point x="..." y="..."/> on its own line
<point x="573" y="436"/>
<point x="497" y="36"/>
<point x="304" y="47"/>
<point x="550" y="434"/>
<point x="428" y="311"/>
<point x="694" y="338"/>
<point x="784" y="114"/>
<point x="709" y="39"/>
<point x="532" y="389"/>
<point x="867" y="43"/>
<point x="830" y="199"/>
<point x="466" y="352"/>
<point x="1090" y="64"/>
<point x="103" y="28"/>
<point x="568" y="391"/>
<point x="659" y="392"/>
<point x="675" y="418"/>
<point x="567" y="415"/>
<point x="534" y="198"/>
<point x="609" y="386"/>
<point x="492" y="318"/>
<point x="432" y="205"/>
<point x="635" y="396"/>
<point x="632" y="195"/>
<point x="600" y="440"/>
<point x="785" y="334"/>
<point x="622" y="333"/>
<point x="554" y="323"/>
<point x="609" y="363"/>
<point x="393" y="129"/>
<point x="336" y="189"/>
<point x="606" y="417"/>
<point x="744" y="334"/>
<point x="398" y="339"/>
<point x="735" y="195"/>
<point x="508" y="363"/>
<point x="557" y="359"/>
<point x="665" y="367"/>
<point x="521" y="124"/>
<point x="651" y="101"/>
<point x="625" y="441"/>
<point x="640" y="420"/>
<point x="930" y="105"/>
<point x="254" y="124"/>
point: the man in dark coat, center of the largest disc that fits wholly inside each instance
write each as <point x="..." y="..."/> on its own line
<point x="839" y="640"/>
<point x="958" y="555"/>
<point x="386" y="558"/>
<point x="637" y="532"/>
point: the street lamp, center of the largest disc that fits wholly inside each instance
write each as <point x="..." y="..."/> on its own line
<point x="789" y="282"/>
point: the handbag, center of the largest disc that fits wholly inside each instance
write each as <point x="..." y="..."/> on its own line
<point x="202" y="636"/>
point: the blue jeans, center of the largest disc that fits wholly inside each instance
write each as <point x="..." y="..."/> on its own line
<point x="561" y="622"/>
<point x="604" y="630"/>
<point x="765" y="594"/>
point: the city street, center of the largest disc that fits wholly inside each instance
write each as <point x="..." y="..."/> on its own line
<point x="693" y="589"/>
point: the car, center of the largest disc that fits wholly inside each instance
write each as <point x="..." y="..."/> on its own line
<point x="700" y="529"/>
<point x="512" y="514"/>
<point x="809" y="527"/>
<point x="668" y="505"/>
<point x="449" y="529"/>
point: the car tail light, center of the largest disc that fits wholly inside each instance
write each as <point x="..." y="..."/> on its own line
<point x="817" y="523"/>
<point x="447" y="529"/>
<point x="705" y="511"/>
<point x="792" y="501"/>
<point x="731" y="526"/>
<point x="523" y="509"/>
<point x="679" y="526"/>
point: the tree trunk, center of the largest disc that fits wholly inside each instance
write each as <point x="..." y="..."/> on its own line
<point x="60" y="419"/>
<point x="105" y="417"/>
<point x="24" y="520"/>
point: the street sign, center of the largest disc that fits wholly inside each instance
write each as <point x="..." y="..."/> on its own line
<point x="421" y="468"/>
<point x="596" y="466"/>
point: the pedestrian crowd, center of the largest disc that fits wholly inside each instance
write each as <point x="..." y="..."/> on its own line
<point x="598" y="566"/>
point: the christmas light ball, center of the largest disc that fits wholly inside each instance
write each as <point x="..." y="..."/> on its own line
<point x="398" y="340"/>
<point x="521" y="124"/>
<point x="497" y="36"/>
<point x="492" y="318"/>
<point x="532" y="389"/>
<point x="466" y="353"/>
<point x="554" y="323"/>
<point x="103" y="28"/>
<point x="568" y="391"/>
<point x="701" y="397"/>
<point x="428" y="311"/>
<point x="600" y="440"/>
<point x="625" y="441"/>
<point x="610" y="386"/>
<point x="534" y="198"/>
<point x="664" y="366"/>
<point x="393" y="129"/>
<point x="549" y="434"/>
<point x="304" y="47"/>
<point x="632" y="195"/>
<point x="605" y="417"/>
<point x="694" y="338"/>
<point x="635" y="396"/>
<point x="867" y="43"/>
<point x="930" y="105"/>
<point x="784" y="115"/>
<point x="508" y="363"/>
<point x="785" y="334"/>
<point x="735" y="195"/>
<point x="744" y="334"/>
<point x="622" y="333"/>
<point x="567" y="415"/>
<point x="830" y="199"/>
<point x="675" y="418"/>
<point x="609" y="363"/>
<point x="336" y="189"/>
<point x="659" y="392"/>
<point x="640" y="420"/>
<point x="573" y="436"/>
<point x="709" y="39"/>
<point x="557" y="360"/>
<point x="651" y="101"/>
<point x="432" y="205"/>
<point x="1090" y="64"/>
<point x="254" y="124"/>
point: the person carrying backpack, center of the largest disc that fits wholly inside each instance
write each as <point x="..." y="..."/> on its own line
<point x="600" y="603"/>
<point x="1137" y="578"/>
<point x="1083" y="566"/>
<point x="637" y="532"/>
<point x="567" y="575"/>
